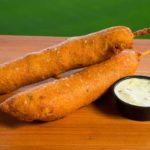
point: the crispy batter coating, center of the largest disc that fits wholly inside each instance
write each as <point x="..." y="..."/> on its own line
<point x="73" y="53"/>
<point x="56" y="99"/>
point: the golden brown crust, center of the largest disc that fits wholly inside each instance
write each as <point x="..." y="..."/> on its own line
<point x="61" y="97"/>
<point x="92" y="48"/>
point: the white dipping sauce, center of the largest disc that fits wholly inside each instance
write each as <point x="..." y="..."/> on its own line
<point x="135" y="91"/>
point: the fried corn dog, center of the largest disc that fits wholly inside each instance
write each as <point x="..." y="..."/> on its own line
<point x="57" y="99"/>
<point x="73" y="53"/>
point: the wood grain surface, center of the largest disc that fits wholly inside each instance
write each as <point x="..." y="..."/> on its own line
<point x="98" y="126"/>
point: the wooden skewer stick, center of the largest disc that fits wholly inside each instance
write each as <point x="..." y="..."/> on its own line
<point x="142" y="32"/>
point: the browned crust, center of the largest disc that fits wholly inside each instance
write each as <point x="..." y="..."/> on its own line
<point x="56" y="99"/>
<point x="73" y="53"/>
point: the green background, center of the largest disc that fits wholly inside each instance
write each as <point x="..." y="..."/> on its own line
<point x="71" y="17"/>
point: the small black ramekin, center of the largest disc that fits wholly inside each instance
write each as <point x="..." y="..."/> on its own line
<point x="140" y="113"/>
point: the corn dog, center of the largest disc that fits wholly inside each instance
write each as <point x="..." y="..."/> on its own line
<point x="56" y="99"/>
<point x="73" y="53"/>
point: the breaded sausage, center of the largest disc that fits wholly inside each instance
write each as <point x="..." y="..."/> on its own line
<point x="73" y="53"/>
<point x="57" y="99"/>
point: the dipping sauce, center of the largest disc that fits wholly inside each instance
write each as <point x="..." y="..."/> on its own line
<point x="135" y="91"/>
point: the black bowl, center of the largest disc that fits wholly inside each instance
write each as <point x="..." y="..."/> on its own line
<point x="140" y="113"/>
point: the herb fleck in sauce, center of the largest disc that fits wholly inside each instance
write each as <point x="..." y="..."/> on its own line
<point x="134" y="91"/>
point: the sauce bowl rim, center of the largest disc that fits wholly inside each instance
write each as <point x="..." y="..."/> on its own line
<point x="125" y="78"/>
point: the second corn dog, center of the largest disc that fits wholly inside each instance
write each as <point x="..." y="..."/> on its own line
<point x="57" y="99"/>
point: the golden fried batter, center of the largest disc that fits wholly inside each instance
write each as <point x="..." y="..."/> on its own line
<point x="57" y="99"/>
<point x="73" y="53"/>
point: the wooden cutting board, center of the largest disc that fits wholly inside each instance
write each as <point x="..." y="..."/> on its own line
<point x="97" y="126"/>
